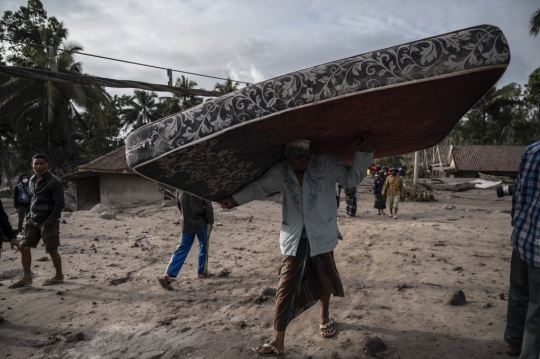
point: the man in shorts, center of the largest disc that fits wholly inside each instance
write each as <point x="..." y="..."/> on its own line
<point x="43" y="221"/>
<point x="393" y="190"/>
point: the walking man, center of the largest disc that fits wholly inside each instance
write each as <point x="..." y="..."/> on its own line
<point x="43" y="221"/>
<point x="523" y="317"/>
<point x="197" y="217"/>
<point x="308" y="234"/>
<point x="393" y="190"/>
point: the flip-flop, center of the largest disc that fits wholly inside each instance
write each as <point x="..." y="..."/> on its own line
<point x="18" y="285"/>
<point x="166" y="284"/>
<point x="52" y="282"/>
<point x="274" y="353"/>
<point x="325" y="326"/>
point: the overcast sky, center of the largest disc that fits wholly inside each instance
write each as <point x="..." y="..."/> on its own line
<point x="256" y="40"/>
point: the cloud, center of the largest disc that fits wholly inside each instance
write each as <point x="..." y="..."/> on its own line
<point x="252" y="41"/>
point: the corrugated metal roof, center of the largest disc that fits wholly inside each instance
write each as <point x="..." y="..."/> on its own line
<point x="487" y="158"/>
<point x="112" y="161"/>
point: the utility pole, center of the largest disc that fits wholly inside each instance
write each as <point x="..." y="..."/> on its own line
<point x="169" y="74"/>
<point x="51" y="56"/>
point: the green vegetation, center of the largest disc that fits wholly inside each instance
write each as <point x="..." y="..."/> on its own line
<point x="72" y="123"/>
<point x="77" y="123"/>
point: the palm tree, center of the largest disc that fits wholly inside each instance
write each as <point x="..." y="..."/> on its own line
<point x="178" y="103"/>
<point x="534" y="24"/>
<point x="142" y="109"/>
<point x="227" y="86"/>
<point x="41" y="111"/>
<point x="494" y="99"/>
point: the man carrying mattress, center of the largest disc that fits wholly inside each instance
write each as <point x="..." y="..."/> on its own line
<point x="308" y="234"/>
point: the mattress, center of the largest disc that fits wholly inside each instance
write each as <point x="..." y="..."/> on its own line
<point x="408" y="97"/>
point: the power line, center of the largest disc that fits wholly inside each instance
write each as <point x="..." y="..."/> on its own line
<point x="124" y="61"/>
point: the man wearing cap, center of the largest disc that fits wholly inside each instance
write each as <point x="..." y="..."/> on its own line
<point x="309" y="231"/>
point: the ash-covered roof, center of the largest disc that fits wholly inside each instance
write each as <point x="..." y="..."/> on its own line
<point x="487" y="158"/>
<point x="112" y="161"/>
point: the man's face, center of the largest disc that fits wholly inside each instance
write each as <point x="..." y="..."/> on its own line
<point x="299" y="164"/>
<point x="40" y="166"/>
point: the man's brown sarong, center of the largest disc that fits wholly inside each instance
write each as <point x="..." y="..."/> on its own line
<point x="302" y="281"/>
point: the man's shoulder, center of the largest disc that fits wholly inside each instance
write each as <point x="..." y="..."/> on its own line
<point x="533" y="149"/>
<point x="54" y="179"/>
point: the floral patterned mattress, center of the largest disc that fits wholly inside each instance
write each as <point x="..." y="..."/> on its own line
<point x="408" y="97"/>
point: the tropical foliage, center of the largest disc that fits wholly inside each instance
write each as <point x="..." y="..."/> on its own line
<point x="77" y="123"/>
<point x="228" y="86"/>
<point x="534" y="24"/>
<point x="71" y="123"/>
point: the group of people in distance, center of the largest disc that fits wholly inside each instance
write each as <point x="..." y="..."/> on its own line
<point x="309" y="234"/>
<point x="388" y="188"/>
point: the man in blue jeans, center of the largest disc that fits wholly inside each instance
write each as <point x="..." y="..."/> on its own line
<point x="197" y="219"/>
<point x="523" y="319"/>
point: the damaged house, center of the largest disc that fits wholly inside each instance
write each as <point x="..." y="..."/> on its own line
<point x="109" y="180"/>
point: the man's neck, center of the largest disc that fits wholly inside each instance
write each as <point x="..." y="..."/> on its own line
<point x="38" y="177"/>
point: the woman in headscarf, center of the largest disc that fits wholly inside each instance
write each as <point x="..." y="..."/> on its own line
<point x="380" y="199"/>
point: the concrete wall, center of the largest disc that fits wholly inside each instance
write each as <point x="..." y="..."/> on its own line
<point x="127" y="188"/>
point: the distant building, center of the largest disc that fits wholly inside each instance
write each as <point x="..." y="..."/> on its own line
<point x="109" y="180"/>
<point x="468" y="161"/>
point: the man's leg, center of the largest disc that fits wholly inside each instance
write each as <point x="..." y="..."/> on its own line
<point x="518" y="301"/>
<point x="531" y="336"/>
<point x="51" y="238"/>
<point x="22" y="214"/>
<point x="57" y="262"/>
<point x="390" y="204"/>
<point x="290" y="277"/>
<point x="32" y="236"/>
<point x="179" y="256"/>
<point x="325" y="313"/>
<point x="204" y="241"/>
<point x="26" y="260"/>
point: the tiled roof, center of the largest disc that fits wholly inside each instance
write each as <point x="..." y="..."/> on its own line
<point x="112" y="161"/>
<point x="487" y="158"/>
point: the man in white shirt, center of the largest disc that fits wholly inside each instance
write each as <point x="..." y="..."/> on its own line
<point x="309" y="231"/>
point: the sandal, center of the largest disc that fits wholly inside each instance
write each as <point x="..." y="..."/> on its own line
<point x="328" y="325"/>
<point x="18" y="285"/>
<point x="52" y="282"/>
<point x="166" y="284"/>
<point x="274" y="353"/>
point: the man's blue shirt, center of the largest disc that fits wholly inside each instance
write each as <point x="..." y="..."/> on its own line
<point x="526" y="207"/>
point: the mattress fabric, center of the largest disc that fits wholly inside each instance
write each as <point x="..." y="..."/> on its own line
<point x="219" y="146"/>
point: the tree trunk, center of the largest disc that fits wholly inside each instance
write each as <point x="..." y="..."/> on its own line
<point x="4" y="163"/>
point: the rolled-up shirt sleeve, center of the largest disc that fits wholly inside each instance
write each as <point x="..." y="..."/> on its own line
<point x="268" y="183"/>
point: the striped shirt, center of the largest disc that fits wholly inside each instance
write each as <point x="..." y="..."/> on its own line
<point x="526" y="207"/>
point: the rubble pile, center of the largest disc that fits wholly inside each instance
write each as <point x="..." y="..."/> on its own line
<point x="418" y="193"/>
